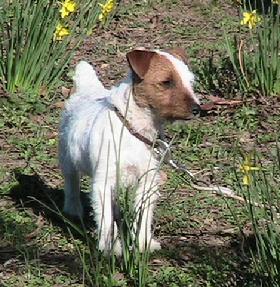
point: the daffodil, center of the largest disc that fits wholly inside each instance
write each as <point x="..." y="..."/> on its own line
<point x="106" y="9"/>
<point x="68" y="6"/>
<point x="251" y="19"/>
<point x="247" y="168"/>
<point x="60" y="32"/>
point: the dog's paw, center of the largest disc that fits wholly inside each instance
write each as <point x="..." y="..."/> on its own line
<point x="111" y="247"/>
<point x="117" y="248"/>
<point x="151" y="246"/>
<point x="154" y="245"/>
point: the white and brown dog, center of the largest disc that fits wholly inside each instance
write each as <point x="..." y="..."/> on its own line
<point x="107" y="135"/>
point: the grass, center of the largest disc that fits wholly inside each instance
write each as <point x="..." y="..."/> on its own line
<point x="257" y="70"/>
<point x="207" y="240"/>
<point x="33" y="53"/>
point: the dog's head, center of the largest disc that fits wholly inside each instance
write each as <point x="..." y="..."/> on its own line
<point x="163" y="82"/>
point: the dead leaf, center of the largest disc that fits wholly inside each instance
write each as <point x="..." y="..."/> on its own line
<point x="43" y="91"/>
<point x="119" y="276"/>
<point x="157" y="262"/>
<point x="39" y="119"/>
<point x="52" y="135"/>
<point x="59" y="105"/>
<point x="220" y="101"/>
<point x="65" y="92"/>
<point x="104" y="66"/>
<point x="207" y="107"/>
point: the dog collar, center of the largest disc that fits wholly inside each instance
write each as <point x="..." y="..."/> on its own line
<point x="133" y="131"/>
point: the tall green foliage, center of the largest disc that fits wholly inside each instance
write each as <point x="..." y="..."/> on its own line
<point x="255" y="58"/>
<point x="32" y="55"/>
<point x="262" y="205"/>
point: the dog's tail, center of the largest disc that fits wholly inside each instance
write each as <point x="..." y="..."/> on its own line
<point x="86" y="81"/>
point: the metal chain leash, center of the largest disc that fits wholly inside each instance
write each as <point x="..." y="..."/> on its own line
<point x="163" y="151"/>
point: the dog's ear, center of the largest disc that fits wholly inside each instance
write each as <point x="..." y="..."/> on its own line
<point x="179" y="53"/>
<point x="139" y="61"/>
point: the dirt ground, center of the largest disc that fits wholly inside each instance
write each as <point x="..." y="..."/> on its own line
<point x="202" y="233"/>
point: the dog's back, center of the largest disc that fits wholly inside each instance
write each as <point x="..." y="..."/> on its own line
<point x="90" y="130"/>
<point x="80" y="113"/>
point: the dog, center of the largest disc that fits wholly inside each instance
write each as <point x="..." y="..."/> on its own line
<point x="108" y="134"/>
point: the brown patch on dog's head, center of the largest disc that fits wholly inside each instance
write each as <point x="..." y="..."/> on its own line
<point x="160" y="84"/>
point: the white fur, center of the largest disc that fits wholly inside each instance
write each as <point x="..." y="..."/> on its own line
<point x="187" y="77"/>
<point x="91" y="143"/>
<point x="86" y="81"/>
<point x="94" y="142"/>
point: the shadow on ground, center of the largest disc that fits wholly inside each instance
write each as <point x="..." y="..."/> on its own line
<point x="32" y="192"/>
<point x="19" y="244"/>
<point x="222" y="265"/>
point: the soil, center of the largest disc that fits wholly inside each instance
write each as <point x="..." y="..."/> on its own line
<point x="106" y="51"/>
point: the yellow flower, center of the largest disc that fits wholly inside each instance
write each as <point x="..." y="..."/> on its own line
<point x="107" y="8"/>
<point x="276" y="2"/>
<point x="60" y="32"/>
<point x="247" y="169"/>
<point x="251" y="19"/>
<point x="68" y="6"/>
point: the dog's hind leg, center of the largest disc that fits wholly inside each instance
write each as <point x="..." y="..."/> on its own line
<point x="72" y="200"/>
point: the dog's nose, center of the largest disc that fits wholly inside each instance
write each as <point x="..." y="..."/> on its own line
<point x="196" y="109"/>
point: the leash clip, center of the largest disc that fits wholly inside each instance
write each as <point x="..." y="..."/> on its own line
<point x="163" y="150"/>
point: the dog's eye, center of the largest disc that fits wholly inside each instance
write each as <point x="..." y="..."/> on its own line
<point x="168" y="84"/>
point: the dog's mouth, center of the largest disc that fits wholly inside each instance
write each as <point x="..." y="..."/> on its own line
<point x="170" y="117"/>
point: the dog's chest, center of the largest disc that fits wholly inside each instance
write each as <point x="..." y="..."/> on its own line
<point x="136" y="163"/>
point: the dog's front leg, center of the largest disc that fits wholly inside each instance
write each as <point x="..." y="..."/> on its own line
<point x="103" y="198"/>
<point x="145" y="200"/>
